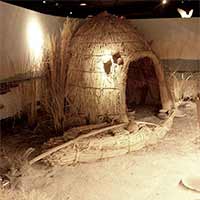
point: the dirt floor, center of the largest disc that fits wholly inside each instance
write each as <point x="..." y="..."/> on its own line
<point x="152" y="173"/>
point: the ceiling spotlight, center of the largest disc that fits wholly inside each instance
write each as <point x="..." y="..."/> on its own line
<point x="70" y="12"/>
<point x="164" y="2"/>
<point x="43" y="1"/>
<point x="83" y="4"/>
<point x="184" y="14"/>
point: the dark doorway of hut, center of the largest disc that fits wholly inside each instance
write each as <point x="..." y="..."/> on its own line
<point x="142" y="90"/>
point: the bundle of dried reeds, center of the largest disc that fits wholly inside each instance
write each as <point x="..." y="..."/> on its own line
<point x="90" y="147"/>
<point x="56" y="64"/>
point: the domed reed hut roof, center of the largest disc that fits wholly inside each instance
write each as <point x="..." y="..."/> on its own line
<point x="102" y="49"/>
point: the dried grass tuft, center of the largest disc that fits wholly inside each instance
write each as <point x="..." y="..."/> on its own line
<point x="178" y="88"/>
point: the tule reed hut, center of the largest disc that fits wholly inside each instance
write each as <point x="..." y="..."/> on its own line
<point x="112" y="67"/>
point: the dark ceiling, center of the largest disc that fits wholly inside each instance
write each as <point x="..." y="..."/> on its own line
<point x="126" y="8"/>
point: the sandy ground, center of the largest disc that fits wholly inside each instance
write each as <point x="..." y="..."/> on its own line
<point x="152" y="173"/>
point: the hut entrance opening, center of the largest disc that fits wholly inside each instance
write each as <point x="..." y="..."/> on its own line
<point x="142" y="88"/>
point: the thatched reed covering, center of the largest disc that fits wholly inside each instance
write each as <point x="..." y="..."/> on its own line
<point x="102" y="49"/>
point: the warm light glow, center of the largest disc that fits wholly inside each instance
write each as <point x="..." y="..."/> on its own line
<point x="184" y="14"/>
<point x="83" y="4"/>
<point x="35" y="39"/>
<point x="44" y="1"/>
<point x="70" y="12"/>
<point x="164" y="1"/>
<point x="106" y="58"/>
<point x="107" y="55"/>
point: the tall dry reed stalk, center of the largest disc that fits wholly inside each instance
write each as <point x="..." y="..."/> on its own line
<point x="56" y="64"/>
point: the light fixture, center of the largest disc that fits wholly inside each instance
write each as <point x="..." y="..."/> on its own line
<point x="83" y="4"/>
<point x="164" y="2"/>
<point x="70" y="12"/>
<point x="43" y="1"/>
<point x="57" y="4"/>
<point x="184" y="14"/>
